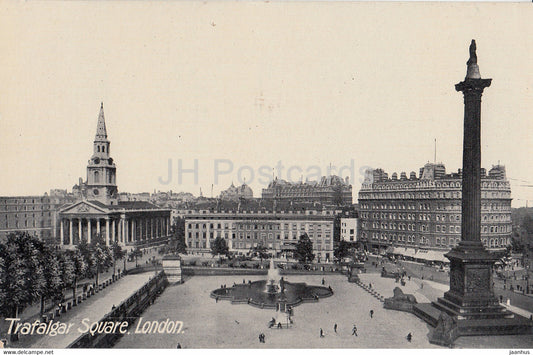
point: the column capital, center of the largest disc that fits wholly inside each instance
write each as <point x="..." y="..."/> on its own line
<point x="473" y="86"/>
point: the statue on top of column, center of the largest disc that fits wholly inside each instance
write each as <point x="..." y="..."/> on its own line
<point x="473" y="55"/>
<point x="472" y="71"/>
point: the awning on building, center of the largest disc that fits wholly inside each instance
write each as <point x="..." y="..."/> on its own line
<point x="409" y="252"/>
<point x="431" y="255"/>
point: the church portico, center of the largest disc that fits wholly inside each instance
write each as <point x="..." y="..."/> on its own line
<point x="85" y="221"/>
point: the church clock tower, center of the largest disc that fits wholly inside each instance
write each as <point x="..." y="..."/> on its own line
<point x="101" y="170"/>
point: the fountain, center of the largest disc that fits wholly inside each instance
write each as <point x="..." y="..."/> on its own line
<point x="272" y="293"/>
<point x="273" y="277"/>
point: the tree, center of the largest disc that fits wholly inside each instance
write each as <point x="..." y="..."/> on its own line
<point x="80" y="268"/>
<point x="342" y="250"/>
<point x="135" y="253"/>
<point x="96" y="255"/>
<point x="261" y="251"/>
<point x="53" y="284"/>
<point x="219" y="247"/>
<point x="85" y="251"/>
<point x="516" y="245"/>
<point x="22" y="280"/>
<point x="67" y="270"/>
<point x="117" y="254"/>
<point x="304" y="249"/>
<point x="527" y="224"/>
<point x="177" y="239"/>
<point x="102" y="259"/>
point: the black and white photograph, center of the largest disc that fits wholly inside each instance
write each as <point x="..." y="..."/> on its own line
<point x="266" y="175"/>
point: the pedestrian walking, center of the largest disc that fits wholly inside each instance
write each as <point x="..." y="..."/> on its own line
<point x="371" y="313"/>
<point x="335" y="327"/>
<point x="323" y="281"/>
<point x="354" y="330"/>
<point x="321" y="333"/>
<point x="409" y="337"/>
<point x="178" y="346"/>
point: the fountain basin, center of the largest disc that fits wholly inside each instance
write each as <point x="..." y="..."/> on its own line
<point x="254" y="294"/>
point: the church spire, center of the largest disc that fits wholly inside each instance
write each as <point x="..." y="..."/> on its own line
<point x="101" y="132"/>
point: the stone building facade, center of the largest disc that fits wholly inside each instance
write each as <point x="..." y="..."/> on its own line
<point x="425" y="212"/>
<point x="278" y="232"/>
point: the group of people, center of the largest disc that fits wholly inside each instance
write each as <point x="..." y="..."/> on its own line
<point x="272" y="323"/>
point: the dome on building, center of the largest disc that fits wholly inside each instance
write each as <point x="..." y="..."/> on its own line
<point x="233" y="192"/>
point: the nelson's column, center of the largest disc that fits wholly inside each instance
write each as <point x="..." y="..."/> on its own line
<point x="470" y="307"/>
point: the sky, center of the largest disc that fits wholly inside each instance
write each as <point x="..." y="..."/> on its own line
<point x="249" y="90"/>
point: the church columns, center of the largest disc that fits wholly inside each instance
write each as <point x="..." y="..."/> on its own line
<point x="79" y="231"/>
<point x="98" y="221"/>
<point x="123" y="230"/>
<point x="89" y="230"/>
<point x="133" y="231"/>
<point x="127" y="231"/>
<point x="145" y="229"/>
<point x="168" y="225"/>
<point x="61" y="236"/>
<point x="70" y="239"/>
<point x="107" y="231"/>
<point x="113" y="237"/>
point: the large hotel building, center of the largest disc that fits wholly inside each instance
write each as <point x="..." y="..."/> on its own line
<point x="277" y="231"/>
<point x="425" y="212"/>
<point x="330" y="190"/>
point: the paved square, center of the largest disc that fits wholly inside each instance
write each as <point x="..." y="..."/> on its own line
<point x="208" y="324"/>
<point x="211" y="324"/>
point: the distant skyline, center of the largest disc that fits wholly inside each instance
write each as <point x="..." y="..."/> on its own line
<point x="307" y="84"/>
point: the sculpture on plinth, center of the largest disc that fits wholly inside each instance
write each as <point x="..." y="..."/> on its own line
<point x="400" y="301"/>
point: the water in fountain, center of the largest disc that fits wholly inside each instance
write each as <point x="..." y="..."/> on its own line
<point x="272" y="285"/>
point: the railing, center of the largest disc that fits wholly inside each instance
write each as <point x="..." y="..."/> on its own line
<point x="127" y="311"/>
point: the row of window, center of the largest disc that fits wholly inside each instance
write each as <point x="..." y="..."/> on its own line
<point x="258" y="226"/>
<point x="39" y="207"/>
<point x="438" y="217"/>
<point x="248" y="245"/>
<point x="27" y="223"/>
<point x="28" y="215"/>
<point x="439" y="241"/>
<point x="438" y="228"/>
<point x="212" y="235"/>
<point x="363" y="195"/>
<point x="19" y="201"/>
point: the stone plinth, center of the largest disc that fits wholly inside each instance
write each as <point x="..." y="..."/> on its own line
<point x="172" y="268"/>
